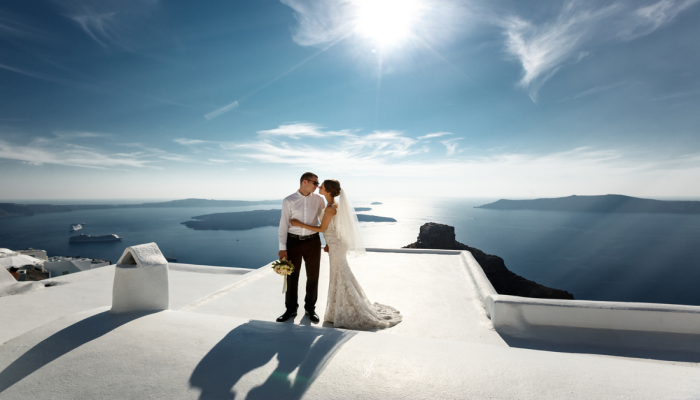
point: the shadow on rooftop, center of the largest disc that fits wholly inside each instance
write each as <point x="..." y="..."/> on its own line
<point x="63" y="342"/>
<point x="254" y="344"/>
<point x="661" y="346"/>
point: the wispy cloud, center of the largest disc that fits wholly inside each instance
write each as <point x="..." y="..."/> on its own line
<point x="365" y="152"/>
<point x="97" y="26"/>
<point x="34" y="74"/>
<point x="384" y="144"/>
<point x="221" y="110"/>
<point x="433" y="135"/>
<point x="320" y="22"/>
<point x="594" y="90"/>
<point x="390" y="155"/>
<point x="79" y="134"/>
<point x="451" y="145"/>
<point x="49" y="151"/>
<point x="189" y="142"/>
<point x="13" y="26"/>
<point x="107" y="22"/>
<point x="542" y="48"/>
<point x="90" y="150"/>
<point x="159" y="154"/>
<point x="299" y="130"/>
<point x="646" y="19"/>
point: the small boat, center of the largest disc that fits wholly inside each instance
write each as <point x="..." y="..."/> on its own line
<point x="100" y="238"/>
<point x="75" y="227"/>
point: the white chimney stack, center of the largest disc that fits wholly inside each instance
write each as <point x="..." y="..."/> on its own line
<point x="141" y="280"/>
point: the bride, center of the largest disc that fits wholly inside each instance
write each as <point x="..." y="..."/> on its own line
<point x="348" y="306"/>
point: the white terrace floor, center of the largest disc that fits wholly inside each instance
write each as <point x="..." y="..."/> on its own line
<point x="220" y="341"/>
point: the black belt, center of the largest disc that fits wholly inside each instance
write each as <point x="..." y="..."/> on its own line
<point x="302" y="237"/>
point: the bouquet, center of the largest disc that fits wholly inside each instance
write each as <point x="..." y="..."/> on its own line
<point x="283" y="267"/>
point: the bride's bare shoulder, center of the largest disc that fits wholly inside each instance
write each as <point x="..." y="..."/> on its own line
<point x="332" y="208"/>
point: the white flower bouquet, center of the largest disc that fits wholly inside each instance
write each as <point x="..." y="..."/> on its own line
<point x="283" y="267"/>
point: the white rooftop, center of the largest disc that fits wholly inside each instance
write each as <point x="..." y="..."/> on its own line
<point x="219" y="338"/>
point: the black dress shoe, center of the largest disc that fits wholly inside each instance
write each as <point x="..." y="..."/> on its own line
<point x="313" y="316"/>
<point x="287" y="314"/>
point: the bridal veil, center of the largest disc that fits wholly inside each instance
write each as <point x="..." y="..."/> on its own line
<point x="348" y="227"/>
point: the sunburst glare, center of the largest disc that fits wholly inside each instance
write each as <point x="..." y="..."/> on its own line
<point x="387" y="22"/>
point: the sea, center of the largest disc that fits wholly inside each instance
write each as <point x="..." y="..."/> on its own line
<point x="653" y="258"/>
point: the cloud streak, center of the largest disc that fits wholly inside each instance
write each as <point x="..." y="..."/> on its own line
<point x="189" y="142"/>
<point x="299" y="130"/>
<point x="433" y="135"/>
<point x="46" y="151"/>
<point x="592" y="91"/>
<point x="221" y="110"/>
<point x="62" y="149"/>
<point x="543" y="48"/>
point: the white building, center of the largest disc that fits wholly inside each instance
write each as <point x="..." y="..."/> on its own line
<point x="57" y="266"/>
<point x="458" y="339"/>
<point x="40" y="254"/>
<point x="10" y="258"/>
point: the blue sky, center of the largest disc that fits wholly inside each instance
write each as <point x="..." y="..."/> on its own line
<point x="235" y="99"/>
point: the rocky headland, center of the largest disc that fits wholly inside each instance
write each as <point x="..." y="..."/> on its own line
<point x="244" y="220"/>
<point x="609" y="203"/>
<point x="439" y="236"/>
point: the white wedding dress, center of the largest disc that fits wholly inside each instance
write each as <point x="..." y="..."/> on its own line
<point x="348" y="306"/>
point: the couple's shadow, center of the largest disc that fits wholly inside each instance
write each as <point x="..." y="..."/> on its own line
<point x="256" y="343"/>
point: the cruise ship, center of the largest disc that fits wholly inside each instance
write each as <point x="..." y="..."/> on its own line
<point x="99" y="238"/>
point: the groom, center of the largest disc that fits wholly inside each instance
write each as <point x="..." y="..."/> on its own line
<point x="297" y="243"/>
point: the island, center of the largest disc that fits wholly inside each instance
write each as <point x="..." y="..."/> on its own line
<point x="376" y="203"/>
<point x="609" y="203"/>
<point x="24" y="210"/>
<point x="363" y="209"/>
<point x="244" y="220"/>
<point x="440" y="236"/>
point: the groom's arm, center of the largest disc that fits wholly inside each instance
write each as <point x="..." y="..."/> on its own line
<point x="284" y="228"/>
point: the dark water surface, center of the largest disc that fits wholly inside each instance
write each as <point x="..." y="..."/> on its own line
<point x="616" y="257"/>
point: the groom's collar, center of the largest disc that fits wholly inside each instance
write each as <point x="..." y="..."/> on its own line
<point x="301" y="194"/>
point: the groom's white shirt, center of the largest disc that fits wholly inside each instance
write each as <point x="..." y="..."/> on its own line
<point x="306" y="209"/>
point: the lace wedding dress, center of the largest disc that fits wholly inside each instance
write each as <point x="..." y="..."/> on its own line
<point x="348" y="306"/>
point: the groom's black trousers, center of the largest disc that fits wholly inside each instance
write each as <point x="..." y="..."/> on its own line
<point x="310" y="251"/>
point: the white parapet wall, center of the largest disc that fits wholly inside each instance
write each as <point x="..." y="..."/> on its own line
<point x="516" y="315"/>
<point x="141" y="280"/>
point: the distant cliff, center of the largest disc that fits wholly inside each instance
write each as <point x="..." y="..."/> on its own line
<point x="244" y="220"/>
<point x="438" y="236"/>
<point x="609" y="203"/>
<point x="19" y="210"/>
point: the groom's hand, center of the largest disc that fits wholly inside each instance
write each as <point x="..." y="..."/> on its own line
<point x="325" y="249"/>
<point x="282" y="254"/>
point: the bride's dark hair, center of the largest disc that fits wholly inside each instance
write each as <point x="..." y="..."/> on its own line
<point x="332" y="186"/>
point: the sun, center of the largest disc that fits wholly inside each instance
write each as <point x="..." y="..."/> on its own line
<point x="386" y="22"/>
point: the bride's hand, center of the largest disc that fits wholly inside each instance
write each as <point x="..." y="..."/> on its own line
<point x="295" y="222"/>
